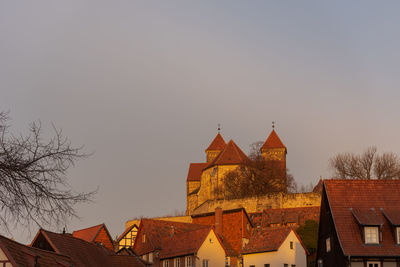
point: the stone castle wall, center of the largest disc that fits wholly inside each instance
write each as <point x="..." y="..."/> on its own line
<point x="257" y="204"/>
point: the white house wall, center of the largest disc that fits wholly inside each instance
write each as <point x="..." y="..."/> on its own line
<point x="212" y="251"/>
<point x="284" y="255"/>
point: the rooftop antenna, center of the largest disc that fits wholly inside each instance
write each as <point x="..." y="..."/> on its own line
<point x="219" y="127"/>
<point x="273" y="125"/>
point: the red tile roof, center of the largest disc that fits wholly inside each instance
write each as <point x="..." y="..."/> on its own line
<point x="185" y="243"/>
<point x="273" y="141"/>
<point x="266" y="239"/>
<point x="195" y="171"/>
<point x="366" y="216"/>
<point x="231" y="155"/>
<point x="392" y="215"/>
<point x="285" y="215"/>
<point x="23" y="256"/>
<point x="88" y="234"/>
<point x="217" y="144"/>
<point x="362" y="194"/>
<point x="157" y="230"/>
<point x="83" y="253"/>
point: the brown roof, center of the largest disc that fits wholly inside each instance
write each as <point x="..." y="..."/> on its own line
<point x="273" y="141"/>
<point x="318" y="187"/>
<point x="185" y="243"/>
<point x="217" y="144"/>
<point x="362" y="194"/>
<point x="195" y="171"/>
<point x="88" y="234"/>
<point x="23" y="256"/>
<point x="157" y="230"/>
<point x="266" y="239"/>
<point x="392" y="215"/>
<point x="285" y="215"/>
<point x="232" y="154"/>
<point x="83" y="253"/>
<point x="366" y="216"/>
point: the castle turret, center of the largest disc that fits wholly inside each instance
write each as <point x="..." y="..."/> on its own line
<point x="274" y="151"/>
<point x="216" y="146"/>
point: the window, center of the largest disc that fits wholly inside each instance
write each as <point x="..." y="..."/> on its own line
<point x="166" y="263"/>
<point x="398" y="234"/>
<point x="188" y="261"/>
<point x="285" y="265"/>
<point x="151" y="257"/>
<point x="328" y="244"/>
<point x="144" y="238"/>
<point x="205" y="263"/>
<point x="266" y="265"/>
<point x="252" y="266"/>
<point x="291" y="245"/>
<point x="177" y="262"/>
<point x="371" y="235"/>
<point x="320" y="263"/>
<point x="373" y="264"/>
<point x="293" y="265"/>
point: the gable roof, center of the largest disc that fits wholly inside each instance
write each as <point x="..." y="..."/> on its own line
<point x="195" y="171"/>
<point x="273" y="141"/>
<point x="231" y="155"/>
<point x="363" y="195"/>
<point x="157" y="230"/>
<point x="217" y="144"/>
<point x="22" y="255"/>
<point x="127" y="230"/>
<point x="267" y="239"/>
<point x="185" y="243"/>
<point x="88" y="234"/>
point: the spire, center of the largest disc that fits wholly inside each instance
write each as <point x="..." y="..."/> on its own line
<point x="218" y="143"/>
<point x="273" y="140"/>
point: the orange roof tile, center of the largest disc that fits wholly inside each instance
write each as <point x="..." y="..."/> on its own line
<point x="217" y="144"/>
<point x="382" y="195"/>
<point x="266" y="239"/>
<point x="182" y="244"/>
<point x="273" y="141"/>
<point x="88" y="234"/>
<point x="232" y="154"/>
<point x="195" y="171"/>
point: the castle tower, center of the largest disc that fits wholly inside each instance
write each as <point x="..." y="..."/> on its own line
<point x="216" y="146"/>
<point x="274" y="151"/>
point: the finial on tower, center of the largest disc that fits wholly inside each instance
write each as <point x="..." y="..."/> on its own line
<point x="219" y="127"/>
<point x="273" y="125"/>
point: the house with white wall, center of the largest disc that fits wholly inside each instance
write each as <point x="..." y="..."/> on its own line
<point x="269" y="247"/>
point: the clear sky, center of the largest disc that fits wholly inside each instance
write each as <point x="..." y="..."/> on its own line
<point x="143" y="85"/>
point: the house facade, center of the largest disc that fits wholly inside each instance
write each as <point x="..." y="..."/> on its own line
<point x="359" y="223"/>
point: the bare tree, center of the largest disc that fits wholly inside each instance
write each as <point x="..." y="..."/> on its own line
<point x="368" y="165"/>
<point x="33" y="183"/>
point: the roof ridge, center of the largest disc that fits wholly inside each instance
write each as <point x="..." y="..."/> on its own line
<point x="85" y="229"/>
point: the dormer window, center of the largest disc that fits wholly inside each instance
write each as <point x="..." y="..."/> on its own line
<point x="371" y="234"/>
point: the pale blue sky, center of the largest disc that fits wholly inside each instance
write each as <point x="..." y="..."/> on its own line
<point x="144" y="84"/>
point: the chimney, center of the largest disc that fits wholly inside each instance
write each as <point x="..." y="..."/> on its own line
<point x="218" y="220"/>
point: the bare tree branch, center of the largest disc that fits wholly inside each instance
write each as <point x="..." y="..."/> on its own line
<point x="33" y="182"/>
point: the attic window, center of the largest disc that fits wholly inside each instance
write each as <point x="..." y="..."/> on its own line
<point x="371" y="235"/>
<point x="398" y="235"/>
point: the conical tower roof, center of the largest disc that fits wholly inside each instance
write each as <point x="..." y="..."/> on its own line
<point x="273" y="141"/>
<point x="217" y="144"/>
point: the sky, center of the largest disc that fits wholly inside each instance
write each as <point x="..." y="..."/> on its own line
<point x="143" y="85"/>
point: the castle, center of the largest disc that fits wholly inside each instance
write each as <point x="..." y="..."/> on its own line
<point x="205" y="180"/>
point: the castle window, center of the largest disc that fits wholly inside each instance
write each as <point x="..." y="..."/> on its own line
<point x="371" y="235"/>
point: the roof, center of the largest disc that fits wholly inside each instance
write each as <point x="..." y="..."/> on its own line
<point x="22" y="256"/>
<point x="83" y="253"/>
<point x="231" y="155"/>
<point x="273" y="141"/>
<point x="366" y="216"/>
<point x="88" y="234"/>
<point x="185" y="243"/>
<point x="217" y="144"/>
<point x="285" y="215"/>
<point x="382" y="195"/>
<point x="318" y="187"/>
<point x="212" y="213"/>
<point x="195" y="171"/>
<point x="392" y="215"/>
<point x="266" y="239"/>
<point x="157" y="230"/>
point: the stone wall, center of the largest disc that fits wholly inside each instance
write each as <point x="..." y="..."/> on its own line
<point x="256" y="204"/>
